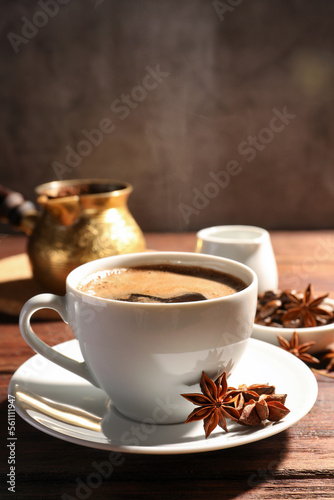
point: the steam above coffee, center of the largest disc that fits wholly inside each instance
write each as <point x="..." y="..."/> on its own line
<point x="163" y="283"/>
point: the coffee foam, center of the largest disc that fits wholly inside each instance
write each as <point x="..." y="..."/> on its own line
<point x="161" y="283"/>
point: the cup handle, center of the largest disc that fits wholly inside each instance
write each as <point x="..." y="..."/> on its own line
<point x="58" y="304"/>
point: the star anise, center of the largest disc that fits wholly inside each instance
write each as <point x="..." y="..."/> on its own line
<point x="327" y="370"/>
<point x="214" y="404"/>
<point x="245" y="393"/>
<point x="305" y="310"/>
<point x="267" y="407"/>
<point x="292" y="309"/>
<point x="247" y="405"/>
<point x="330" y="356"/>
<point x="299" y="350"/>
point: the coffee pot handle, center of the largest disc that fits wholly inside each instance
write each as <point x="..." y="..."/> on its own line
<point x="58" y="304"/>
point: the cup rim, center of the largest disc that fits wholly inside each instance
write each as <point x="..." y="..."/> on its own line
<point x="209" y="233"/>
<point x="77" y="275"/>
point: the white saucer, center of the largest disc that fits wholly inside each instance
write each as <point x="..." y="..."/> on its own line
<point x="66" y="406"/>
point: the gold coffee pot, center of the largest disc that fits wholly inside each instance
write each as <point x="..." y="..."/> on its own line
<point x="81" y="220"/>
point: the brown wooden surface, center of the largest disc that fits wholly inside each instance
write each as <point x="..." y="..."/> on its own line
<point x="296" y="464"/>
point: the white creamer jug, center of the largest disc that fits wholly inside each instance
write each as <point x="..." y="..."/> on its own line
<point x="249" y="245"/>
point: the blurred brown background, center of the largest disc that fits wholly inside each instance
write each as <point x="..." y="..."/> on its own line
<point x="218" y="112"/>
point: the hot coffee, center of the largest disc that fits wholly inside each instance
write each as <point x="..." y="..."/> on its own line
<point x="161" y="283"/>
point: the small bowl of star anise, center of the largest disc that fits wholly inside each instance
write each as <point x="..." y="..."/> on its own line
<point x="281" y="313"/>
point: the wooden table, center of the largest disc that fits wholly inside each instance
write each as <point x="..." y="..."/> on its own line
<point x="297" y="463"/>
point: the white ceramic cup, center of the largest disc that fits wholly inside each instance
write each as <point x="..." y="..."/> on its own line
<point x="250" y="245"/>
<point x="145" y="355"/>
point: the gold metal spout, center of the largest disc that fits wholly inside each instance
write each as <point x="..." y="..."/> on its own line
<point x="64" y="211"/>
